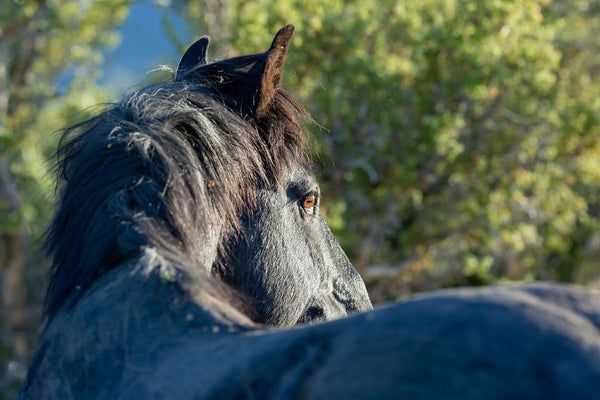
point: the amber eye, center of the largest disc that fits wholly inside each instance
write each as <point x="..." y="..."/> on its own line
<point x="308" y="202"/>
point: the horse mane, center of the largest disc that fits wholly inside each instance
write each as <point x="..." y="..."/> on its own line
<point x="171" y="167"/>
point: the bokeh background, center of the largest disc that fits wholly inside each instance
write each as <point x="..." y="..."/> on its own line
<point x="458" y="142"/>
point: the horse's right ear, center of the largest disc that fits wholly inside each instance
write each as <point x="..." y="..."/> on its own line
<point x="193" y="57"/>
<point x="272" y="69"/>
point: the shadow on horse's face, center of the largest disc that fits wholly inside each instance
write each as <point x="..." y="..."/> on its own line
<point x="289" y="261"/>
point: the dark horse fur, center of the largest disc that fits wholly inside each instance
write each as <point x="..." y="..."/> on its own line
<point x="188" y="240"/>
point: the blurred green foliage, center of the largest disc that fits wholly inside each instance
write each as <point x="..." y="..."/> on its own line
<point x="49" y="54"/>
<point x="463" y="135"/>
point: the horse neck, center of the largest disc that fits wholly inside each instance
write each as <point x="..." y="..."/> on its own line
<point x="151" y="293"/>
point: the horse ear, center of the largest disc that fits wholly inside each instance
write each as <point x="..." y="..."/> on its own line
<point x="247" y="83"/>
<point x="194" y="56"/>
<point x="273" y="68"/>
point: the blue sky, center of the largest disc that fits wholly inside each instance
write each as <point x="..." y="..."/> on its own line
<point x="144" y="46"/>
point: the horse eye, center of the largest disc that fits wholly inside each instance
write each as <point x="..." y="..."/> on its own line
<point x="308" y="202"/>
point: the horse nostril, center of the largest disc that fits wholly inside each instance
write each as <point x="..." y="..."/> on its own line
<point x="354" y="298"/>
<point x="349" y="304"/>
<point x="344" y="297"/>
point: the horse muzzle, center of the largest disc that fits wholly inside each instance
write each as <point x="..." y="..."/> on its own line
<point x="337" y="304"/>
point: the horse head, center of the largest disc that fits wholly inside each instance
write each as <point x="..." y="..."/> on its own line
<point x="286" y="257"/>
<point x="209" y="172"/>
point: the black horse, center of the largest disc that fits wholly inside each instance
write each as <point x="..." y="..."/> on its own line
<point x="209" y="172"/>
<point x="188" y="235"/>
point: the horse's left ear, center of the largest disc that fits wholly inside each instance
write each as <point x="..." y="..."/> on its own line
<point x="273" y="68"/>
<point x="194" y="56"/>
